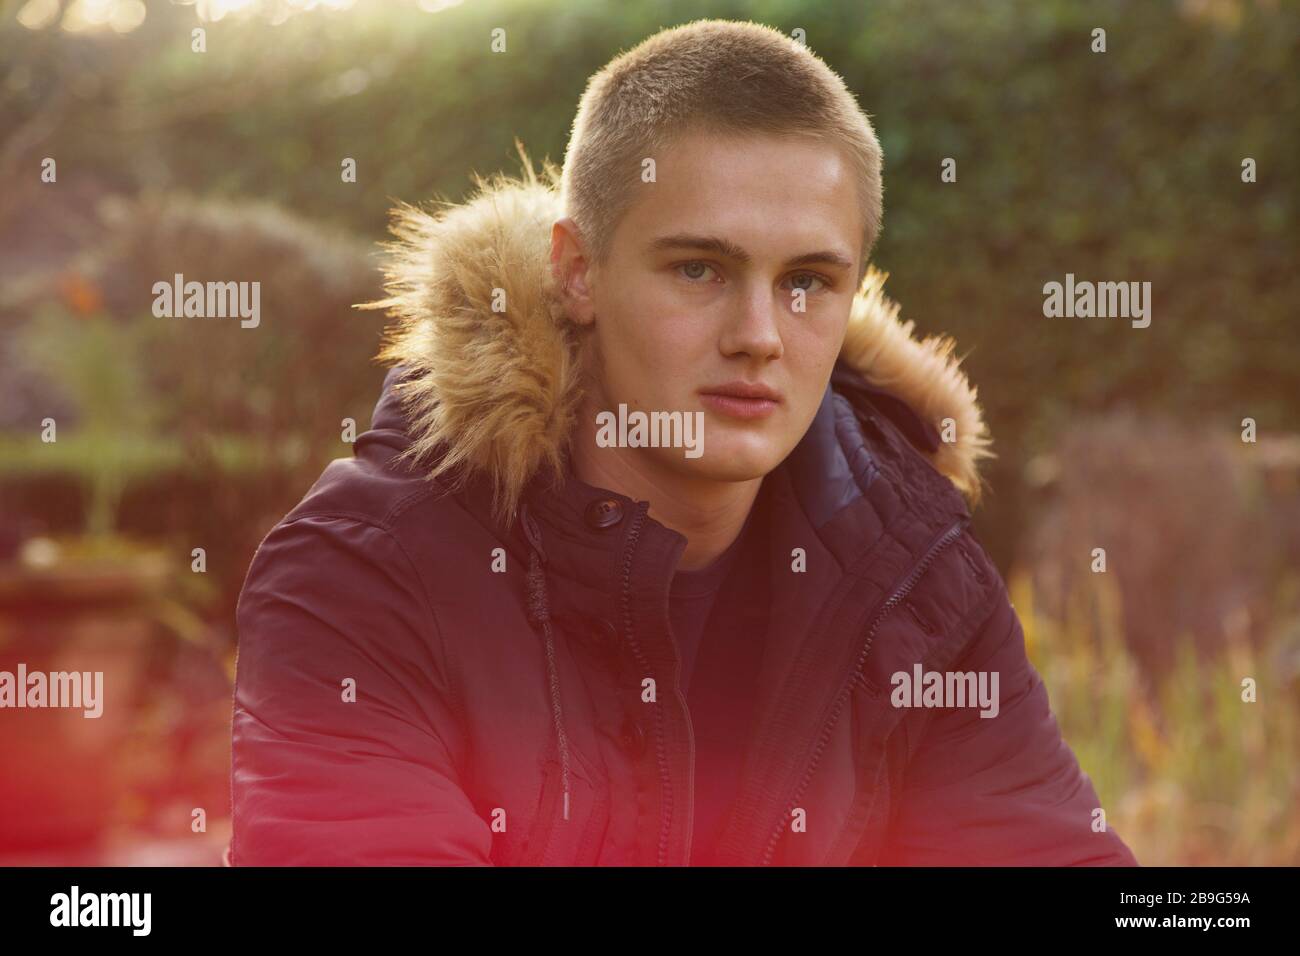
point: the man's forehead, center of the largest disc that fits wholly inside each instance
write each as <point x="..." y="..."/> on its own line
<point x="753" y="191"/>
<point x="702" y="159"/>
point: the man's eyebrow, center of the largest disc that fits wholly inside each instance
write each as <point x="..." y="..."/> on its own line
<point x="730" y="250"/>
<point x="721" y="247"/>
<point x="821" y="257"/>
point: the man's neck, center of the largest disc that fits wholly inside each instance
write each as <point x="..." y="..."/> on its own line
<point x="709" y="514"/>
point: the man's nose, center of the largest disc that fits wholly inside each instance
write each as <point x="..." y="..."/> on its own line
<point x="753" y="327"/>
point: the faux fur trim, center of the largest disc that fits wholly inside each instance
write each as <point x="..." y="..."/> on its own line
<point x="926" y="375"/>
<point x="495" y="382"/>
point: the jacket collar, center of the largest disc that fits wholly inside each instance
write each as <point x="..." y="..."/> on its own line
<point x="489" y="383"/>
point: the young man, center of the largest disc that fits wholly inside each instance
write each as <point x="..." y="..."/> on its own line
<point x="654" y="553"/>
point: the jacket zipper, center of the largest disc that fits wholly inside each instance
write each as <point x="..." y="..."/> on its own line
<point x="690" y="756"/>
<point x="660" y="755"/>
<point x="894" y="599"/>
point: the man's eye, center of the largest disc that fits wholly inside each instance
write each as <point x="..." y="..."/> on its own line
<point x="694" y="270"/>
<point x="811" y="277"/>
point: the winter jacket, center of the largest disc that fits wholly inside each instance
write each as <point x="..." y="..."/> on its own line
<point x="426" y="678"/>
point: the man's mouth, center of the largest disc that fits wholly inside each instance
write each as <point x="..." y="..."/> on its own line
<point x="747" y="400"/>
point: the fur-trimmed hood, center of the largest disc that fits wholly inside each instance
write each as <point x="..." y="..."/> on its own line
<point x="494" y="383"/>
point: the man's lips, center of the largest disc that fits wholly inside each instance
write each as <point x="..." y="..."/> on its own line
<point x="742" y="399"/>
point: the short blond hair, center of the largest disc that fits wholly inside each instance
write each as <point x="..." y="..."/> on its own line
<point x="715" y="75"/>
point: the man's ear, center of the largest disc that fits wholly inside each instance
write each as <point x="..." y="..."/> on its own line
<point x="570" y="267"/>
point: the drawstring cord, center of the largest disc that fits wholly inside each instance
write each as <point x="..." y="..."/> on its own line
<point x="539" y="613"/>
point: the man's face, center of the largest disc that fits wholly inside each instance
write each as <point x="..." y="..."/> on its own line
<point x="731" y="276"/>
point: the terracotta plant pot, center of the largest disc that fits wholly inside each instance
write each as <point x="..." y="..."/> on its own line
<point x="60" y="787"/>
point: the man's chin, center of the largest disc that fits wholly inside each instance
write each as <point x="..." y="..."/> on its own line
<point x="721" y="463"/>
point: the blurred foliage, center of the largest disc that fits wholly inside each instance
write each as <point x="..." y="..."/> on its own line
<point x="99" y="367"/>
<point x="1196" y="525"/>
<point x="1122" y="165"/>
<point x="265" y="382"/>
<point x="1188" y="772"/>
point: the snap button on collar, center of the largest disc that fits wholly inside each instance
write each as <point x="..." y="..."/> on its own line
<point x="604" y="513"/>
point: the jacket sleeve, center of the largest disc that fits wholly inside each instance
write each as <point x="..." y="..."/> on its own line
<point x="317" y="779"/>
<point x="1003" y="790"/>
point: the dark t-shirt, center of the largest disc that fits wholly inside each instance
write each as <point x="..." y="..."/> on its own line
<point x="690" y="602"/>
<point x="720" y="663"/>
